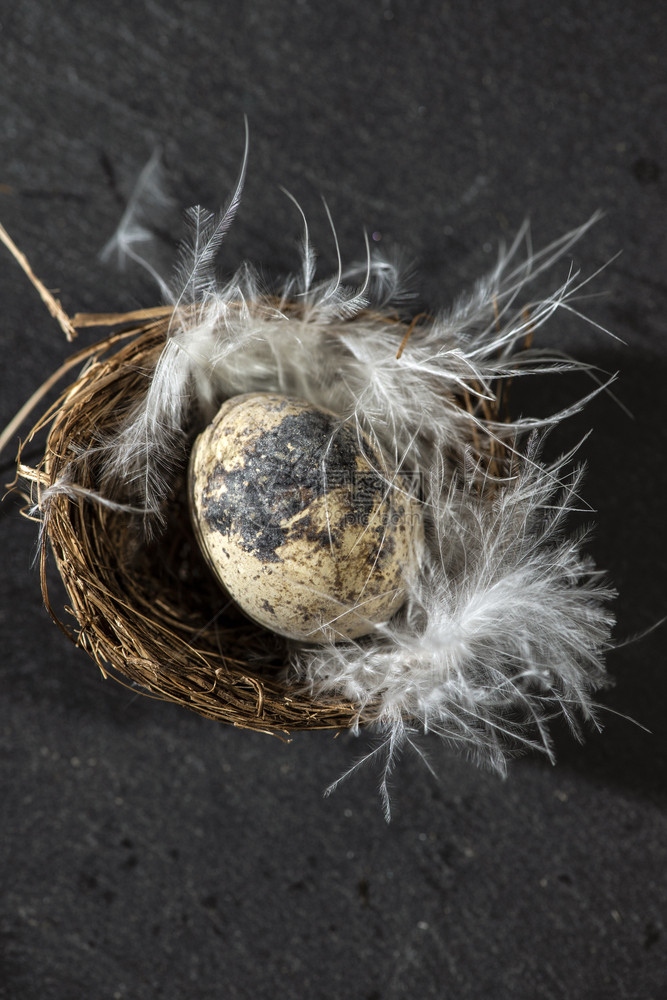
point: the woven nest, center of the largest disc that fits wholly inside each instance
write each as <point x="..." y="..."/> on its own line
<point x="150" y="614"/>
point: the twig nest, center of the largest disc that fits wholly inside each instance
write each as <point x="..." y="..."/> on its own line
<point x="301" y="519"/>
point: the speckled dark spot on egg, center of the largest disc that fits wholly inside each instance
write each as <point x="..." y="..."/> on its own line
<point x="286" y="468"/>
<point x="305" y="530"/>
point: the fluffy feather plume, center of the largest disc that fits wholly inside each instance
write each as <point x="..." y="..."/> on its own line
<point x="507" y="624"/>
<point x="504" y="629"/>
<point x="149" y="206"/>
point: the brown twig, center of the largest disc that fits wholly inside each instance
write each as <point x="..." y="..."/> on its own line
<point x="52" y="303"/>
<point x="409" y="333"/>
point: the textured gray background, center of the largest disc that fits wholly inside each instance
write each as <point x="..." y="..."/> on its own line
<point x="147" y="853"/>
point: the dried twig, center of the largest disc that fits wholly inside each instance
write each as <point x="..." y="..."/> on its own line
<point x="52" y="303"/>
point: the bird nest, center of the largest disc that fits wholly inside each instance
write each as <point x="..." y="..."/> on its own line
<point x="150" y="613"/>
<point x="505" y="624"/>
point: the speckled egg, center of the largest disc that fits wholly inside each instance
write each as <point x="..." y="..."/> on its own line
<point x="298" y="521"/>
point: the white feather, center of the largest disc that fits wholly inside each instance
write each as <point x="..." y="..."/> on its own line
<point x="506" y="626"/>
<point x="134" y="237"/>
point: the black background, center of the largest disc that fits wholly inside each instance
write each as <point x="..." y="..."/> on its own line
<point x="149" y="853"/>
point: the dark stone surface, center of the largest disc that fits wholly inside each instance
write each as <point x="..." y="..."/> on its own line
<point x="149" y="853"/>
